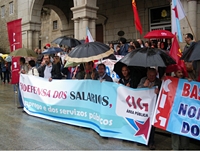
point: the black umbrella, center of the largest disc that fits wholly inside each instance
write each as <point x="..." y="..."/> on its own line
<point x="147" y="57"/>
<point x="136" y="73"/>
<point x="67" y="41"/>
<point x="134" y="69"/>
<point x="141" y="58"/>
<point x="193" y="52"/>
<point x="82" y="41"/>
<point x="89" y="52"/>
<point x="52" y="50"/>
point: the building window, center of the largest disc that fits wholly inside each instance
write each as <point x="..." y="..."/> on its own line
<point x="160" y="18"/>
<point x="55" y="24"/>
<point x="11" y="8"/>
<point x="2" y="11"/>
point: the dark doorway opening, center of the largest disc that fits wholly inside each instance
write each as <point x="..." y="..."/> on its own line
<point x="99" y="33"/>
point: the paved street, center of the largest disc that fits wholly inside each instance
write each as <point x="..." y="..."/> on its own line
<point x="20" y="131"/>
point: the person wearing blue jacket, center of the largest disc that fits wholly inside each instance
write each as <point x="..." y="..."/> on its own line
<point x="124" y="47"/>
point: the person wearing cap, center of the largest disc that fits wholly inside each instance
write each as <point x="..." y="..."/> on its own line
<point x="178" y="71"/>
<point x="48" y="45"/>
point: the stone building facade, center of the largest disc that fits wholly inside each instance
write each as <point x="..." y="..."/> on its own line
<point x="8" y="13"/>
<point x="51" y="26"/>
<point x="45" y="20"/>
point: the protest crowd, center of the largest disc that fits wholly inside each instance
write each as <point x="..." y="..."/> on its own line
<point x="55" y="65"/>
<point x="130" y="87"/>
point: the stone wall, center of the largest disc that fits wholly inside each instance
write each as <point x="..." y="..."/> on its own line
<point x="4" y="43"/>
<point x="47" y="32"/>
<point x="114" y="15"/>
<point x="119" y="16"/>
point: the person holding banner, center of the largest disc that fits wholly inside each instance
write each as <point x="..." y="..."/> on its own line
<point x="148" y="82"/>
<point x="23" y="70"/>
<point x="45" y="68"/>
<point x="126" y="80"/>
<point x="102" y="73"/>
<point x="86" y="70"/>
<point x="56" y="69"/>
<point x="179" y="142"/>
<point x="151" y="80"/>
<point x="32" y="69"/>
<point x="23" y="65"/>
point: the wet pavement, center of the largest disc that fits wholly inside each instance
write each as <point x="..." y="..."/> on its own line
<point x="20" y="131"/>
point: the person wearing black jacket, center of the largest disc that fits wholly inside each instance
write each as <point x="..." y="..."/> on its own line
<point x="48" y="70"/>
<point x="39" y="58"/>
<point x="102" y="75"/>
<point x="126" y="79"/>
<point x="56" y="69"/>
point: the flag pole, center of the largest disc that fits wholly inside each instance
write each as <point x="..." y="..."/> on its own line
<point x="190" y="27"/>
<point x="135" y="33"/>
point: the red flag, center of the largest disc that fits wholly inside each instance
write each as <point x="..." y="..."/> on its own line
<point x="136" y="17"/>
<point x="15" y="39"/>
<point x="176" y="54"/>
<point x="15" y="34"/>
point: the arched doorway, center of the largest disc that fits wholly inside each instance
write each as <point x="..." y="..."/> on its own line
<point x="54" y="24"/>
<point x="32" y="22"/>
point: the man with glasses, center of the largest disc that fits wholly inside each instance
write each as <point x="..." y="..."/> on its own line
<point x="188" y="40"/>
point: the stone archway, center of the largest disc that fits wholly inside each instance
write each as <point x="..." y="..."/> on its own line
<point x="30" y="12"/>
<point x="84" y="15"/>
<point x="61" y="15"/>
<point x="63" y="25"/>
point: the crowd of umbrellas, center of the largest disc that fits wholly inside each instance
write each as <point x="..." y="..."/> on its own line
<point x="136" y="60"/>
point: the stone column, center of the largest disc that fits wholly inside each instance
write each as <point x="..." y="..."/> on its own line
<point x="30" y="39"/>
<point x="93" y="28"/>
<point x="76" y="28"/>
<point x="36" y="40"/>
<point x="86" y="12"/>
<point x="192" y="16"/>
<point x="84" y="27"/>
